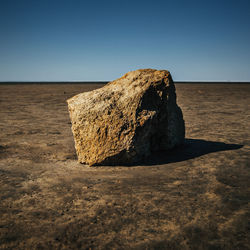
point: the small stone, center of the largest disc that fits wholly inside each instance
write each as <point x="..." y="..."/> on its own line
<point x="125" y="121"/>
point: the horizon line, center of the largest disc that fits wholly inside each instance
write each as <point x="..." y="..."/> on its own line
<point x="98" y="81"/>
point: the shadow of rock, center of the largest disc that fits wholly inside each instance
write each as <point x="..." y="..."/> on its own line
<point x="191" y="149"/>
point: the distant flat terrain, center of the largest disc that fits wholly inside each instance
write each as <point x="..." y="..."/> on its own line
<point x="104" y="82"/>
<point x="196" y="197"/>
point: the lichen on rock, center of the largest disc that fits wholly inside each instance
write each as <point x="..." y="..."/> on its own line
<point x="125" y="121"/>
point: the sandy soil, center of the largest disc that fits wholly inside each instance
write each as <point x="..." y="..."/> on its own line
<point x="196" y="197"/>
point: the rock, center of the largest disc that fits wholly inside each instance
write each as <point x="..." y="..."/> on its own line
<point x="125" y="121"/>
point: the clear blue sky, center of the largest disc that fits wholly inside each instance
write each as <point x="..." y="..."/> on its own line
<point x="50" y="40"/>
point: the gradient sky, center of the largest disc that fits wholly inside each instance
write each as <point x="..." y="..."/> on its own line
<point x="64" y="40"/>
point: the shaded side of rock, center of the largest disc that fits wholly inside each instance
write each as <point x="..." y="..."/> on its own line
<point x="125" y="121"/>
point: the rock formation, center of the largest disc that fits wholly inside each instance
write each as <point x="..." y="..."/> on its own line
<point x="125" y="121"/>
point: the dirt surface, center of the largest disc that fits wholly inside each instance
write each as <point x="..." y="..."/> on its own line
<point x="196" y="197"/>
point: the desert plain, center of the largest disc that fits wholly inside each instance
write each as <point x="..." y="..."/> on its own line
<point x="194" y="197"/>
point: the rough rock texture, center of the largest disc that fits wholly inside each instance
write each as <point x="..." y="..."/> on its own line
<point x="123" y="122"/>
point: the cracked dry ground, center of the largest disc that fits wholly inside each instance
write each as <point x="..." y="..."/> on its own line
<point x="195" y="198"/>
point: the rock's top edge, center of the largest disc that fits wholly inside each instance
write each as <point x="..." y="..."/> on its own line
<point x="144" y="72"/>
<point x="131" y="76"/>
<point x="149" y="71"/>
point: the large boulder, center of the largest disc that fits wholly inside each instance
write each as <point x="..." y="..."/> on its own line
<point x="125" y="121"/>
